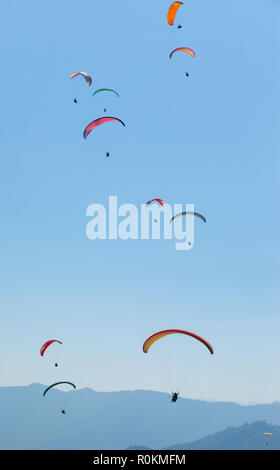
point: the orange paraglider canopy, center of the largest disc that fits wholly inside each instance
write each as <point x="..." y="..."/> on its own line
<point x="172" y="12"/>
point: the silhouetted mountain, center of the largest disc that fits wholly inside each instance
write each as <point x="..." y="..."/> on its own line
<point x="246" y="437"/>
<point x="138" y="448"/>
<point x="114" y="420"/>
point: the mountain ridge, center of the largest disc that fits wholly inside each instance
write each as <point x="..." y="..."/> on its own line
<point x="114" y="420"/>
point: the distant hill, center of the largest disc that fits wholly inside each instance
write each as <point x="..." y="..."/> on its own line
<point x="138" y="448"/>
<point x="115" y="420"/>
<point x="246" y="437"/>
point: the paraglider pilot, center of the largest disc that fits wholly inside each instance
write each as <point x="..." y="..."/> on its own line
<point x="174" y="397"/>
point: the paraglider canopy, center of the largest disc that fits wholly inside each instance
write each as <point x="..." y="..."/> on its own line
<point x="160" y="201"/>
<point x="161" y="334"/>
<point x="86" y="76"/>
<point x="58" y="383"/>
<point x="98" y="122"/>
<point x="172" y="12"/>
<point x="106" y="89"/>
<point x="47" y="344"/>
<point x="196" y="214"/>
<point x="183" y="49"/>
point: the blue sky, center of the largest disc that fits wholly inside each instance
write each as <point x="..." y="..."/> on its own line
<point x="210" y="139"/>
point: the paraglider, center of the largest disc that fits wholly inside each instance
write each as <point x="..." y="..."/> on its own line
<point x="98" y="122"/>
<point x="161" y="334"/>
<point x="58" y="383"/>
<point x="268" y="436"/>
<point x="47" y="344"/>
<point x="107" y="154"/>
<point x="160" y="201"/>
<point x="86" y="76"/>
<point x="183" y="49"/>
<point x="75" y="101"/>
<point x="106" y="89"/>
<point x="174" y="397"/>
<point x="54" y="385"/>
<point x="196" y="214"/>
<point x="172" y="12"/>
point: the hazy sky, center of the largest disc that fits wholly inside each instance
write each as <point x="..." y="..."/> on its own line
<point x="210" y="139"/>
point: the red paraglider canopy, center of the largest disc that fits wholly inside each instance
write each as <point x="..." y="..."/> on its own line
<point x="98" y="122"/>
<point x="47" y="344"/>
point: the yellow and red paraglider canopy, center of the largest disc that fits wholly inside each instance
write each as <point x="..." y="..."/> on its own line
<point x="160" y="334"/>
<point x="188" y="50"/>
